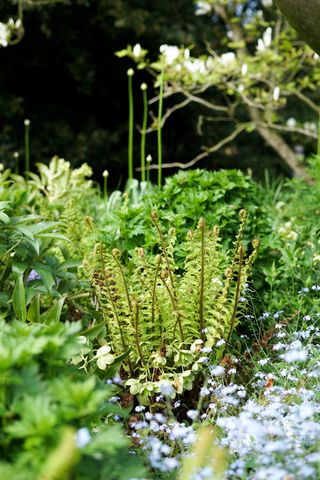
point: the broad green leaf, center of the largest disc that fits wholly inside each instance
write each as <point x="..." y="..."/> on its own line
<point x="54" y="313"/>
<point x="33" y="314"/>
<point x="4" y="217"/>
<point x="19" y="299"/>
<point x="94" y="332"/>
<point x="46" y="276"/>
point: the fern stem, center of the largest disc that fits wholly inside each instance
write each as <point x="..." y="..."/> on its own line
<point x="201" y="299"/>
<point x="136" y="330"/>
<point x="237" y="295"/>
<point x="115" y="254"/>
<point x="154" y="218"/>
<point x="154" y="299"/>
<point x="175" y="309"/>
<point x="114" y="310"/>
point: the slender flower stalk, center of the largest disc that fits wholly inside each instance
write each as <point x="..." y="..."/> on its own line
<point x="130" y="74"/>
<point x="105" y="180"/>
<point x="27" y="145"/>
<point x="159" y="128"/>
<point x="143" y="132"/>
<point x="149" y="160"/>
<point x="16" y="159"/>
<point x="318" y="149"/>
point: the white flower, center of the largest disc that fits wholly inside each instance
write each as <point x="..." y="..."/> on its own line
<point x="192" y="414"/>
<point x="291" y="122"/>
<point x="227" y="59"/>
<point x="195" y="66"/>
<point x="265" y="41"/>
<point x="267" y="3"/>
<point x="166" y="389"/>
<point x="217" y="371"/>
<point x="83" y="437"/>
<point x="4" y="34"/>
<point x="295" y="356"/>
<point x="244" y="69"/>
<point x="136" y="50"/>
<point x="276" y="93"/>
<point x="104" y="357"/>
<point x="170" y="53"/>
<point x="202" y="8"/>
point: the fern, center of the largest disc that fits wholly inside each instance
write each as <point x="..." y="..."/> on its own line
<point x="163" y="316"/>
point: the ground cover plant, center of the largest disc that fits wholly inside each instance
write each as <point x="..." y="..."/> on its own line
<point x="160" y="339"/>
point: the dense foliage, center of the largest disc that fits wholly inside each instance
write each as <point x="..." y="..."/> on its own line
<point x="165" y="332"/>
<point x="163" y="316"/>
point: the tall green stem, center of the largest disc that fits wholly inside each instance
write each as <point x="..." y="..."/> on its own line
<point x="26" y="145"/>
<point x="201" y="299"/>
<point x="105" y="181"/>
<point x="130" y="74"/>
<point x="159" y="128"/>
<point x="318" y="149"/>
<point x="20" y="10"/>
<point x="143" y="132"/>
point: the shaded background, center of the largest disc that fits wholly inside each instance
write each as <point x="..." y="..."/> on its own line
<point x="65" y="78"/>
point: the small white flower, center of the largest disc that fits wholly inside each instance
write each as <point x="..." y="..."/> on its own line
<point x="217" y="371"/>
<point x="267" y="3"/>
<point x="170" y="53"/>
<point x="265" y="41"/>
<point x="244" y="69"/>
<point x="4" y="34"/>
<point x="104" y="357"/>
<point x="276" y="93"/>
<point x="227" y="59"/>
<point x="136" y="50"/>
<point x="166" y="389"/>
<point x="295" y="356"/>
<point x="83" y="437"/>
<point x="291" y="122"/>
<point x="192" y="414"/>
<point x="202" y="8"/>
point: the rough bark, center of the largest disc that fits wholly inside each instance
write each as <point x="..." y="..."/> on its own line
<point x="279" y="145"/>
<point x="304" y="16"/>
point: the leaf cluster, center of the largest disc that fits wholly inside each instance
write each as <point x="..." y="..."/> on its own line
<point x="160" y="316"/>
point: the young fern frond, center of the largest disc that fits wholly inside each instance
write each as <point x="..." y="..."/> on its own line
<point x="164" y="316"/>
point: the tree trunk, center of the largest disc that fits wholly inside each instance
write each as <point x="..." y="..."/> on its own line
<point x="304" y="16"/>
<point x="279" y="145"/>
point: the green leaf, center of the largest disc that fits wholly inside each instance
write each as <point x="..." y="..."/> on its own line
<point x="45" y="275"/>
<point x="33" y="314"/>
<point x="19" y="299"/>
<point x="4" y="217"/>
<point x="54" y="313"/>
<point x="94" y="332"/>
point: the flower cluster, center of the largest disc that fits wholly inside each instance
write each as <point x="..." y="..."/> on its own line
<point x="271" y="427"/>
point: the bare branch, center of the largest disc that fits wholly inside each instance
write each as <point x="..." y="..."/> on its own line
<point x="202" y="155"/>
<point x="283" y="128"/>
<point x="307" y="100"/>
